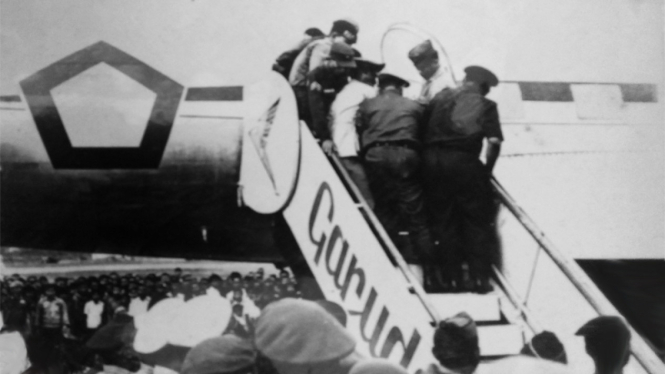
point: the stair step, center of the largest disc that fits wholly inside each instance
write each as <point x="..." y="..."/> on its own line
<point x="500" y="340"/>
<point x="480" y="307"/>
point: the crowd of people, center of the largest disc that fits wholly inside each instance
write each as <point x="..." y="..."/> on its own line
<point x="57" y="318"/>
<point x="210" y="334"/>
<point x="415" y="160"/>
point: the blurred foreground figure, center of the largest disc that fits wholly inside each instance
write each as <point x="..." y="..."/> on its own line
<point x="300" y="336"/>
<point x="607" y="341"/>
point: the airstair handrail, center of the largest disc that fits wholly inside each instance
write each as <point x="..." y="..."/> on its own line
<point x="385" y="240"/>
<point x="512" y="295"/>
<point x="639" y="348"/>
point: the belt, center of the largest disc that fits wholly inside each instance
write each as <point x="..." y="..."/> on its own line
<point x="398" y="143"/>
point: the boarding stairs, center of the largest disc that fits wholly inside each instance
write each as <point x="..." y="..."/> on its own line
<point x="539" y="287"/>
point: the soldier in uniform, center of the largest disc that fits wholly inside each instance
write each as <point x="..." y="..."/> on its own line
<point x="390" y="128"/>
<point x="426" y="60"/>
<point x="457" y="183"/>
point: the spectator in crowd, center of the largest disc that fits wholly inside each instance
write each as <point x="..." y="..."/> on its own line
<point x="139" y="303"/>
<point x="44" y="311"/>
<point x="52" y="322"/>
<point x="15" y="309"/>
<point x="607" y="340"/>
<point x="94" y="310"/>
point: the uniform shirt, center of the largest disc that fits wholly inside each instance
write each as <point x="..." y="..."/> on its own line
<point x="460" y="118"/>
<point x="389" y="117"/>
<point x="52" y="313"/>
<point x="93" y="310"/>
<point x="342" y="117"/>
<point x="309" y="59"/>
<point x="434" y="85"/>
<point x="138" y="306"/>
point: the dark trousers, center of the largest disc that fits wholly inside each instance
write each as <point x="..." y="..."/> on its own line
<point x="302" y="99"/>
<point x="462" y="211"/>
<point x="357" y="173"/>
<point x="319" y="107"/>
<point x="394" y="179"/>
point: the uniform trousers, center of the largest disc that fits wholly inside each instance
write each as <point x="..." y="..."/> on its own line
<point x="302" y="100"/>
<point x="462" y="211"/>
<point x="394" y="179"/>
<point x="357" y="173"/>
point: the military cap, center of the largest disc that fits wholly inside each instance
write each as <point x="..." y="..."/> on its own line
<point x="546" y="345"/>
<point x="223" y="354"/>
<point x="365" y="64"/>
<point x="392" y="77"/>
<point x="343" y="54"/>
<point x="456" y="341"/>
<point x="314" y="32"/>
<point x="422" y="51"/>
<point x="481" y="75"/>
<point x="345" y="24"/>
<point x="299" y="331"/>
<point x="604" y="326"/>
<point x="377" y="366"/>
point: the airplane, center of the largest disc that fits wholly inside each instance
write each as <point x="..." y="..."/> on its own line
<point x="126" y="125"/>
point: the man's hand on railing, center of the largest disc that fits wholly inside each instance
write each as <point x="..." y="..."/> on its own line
<point x="328" y="147"/>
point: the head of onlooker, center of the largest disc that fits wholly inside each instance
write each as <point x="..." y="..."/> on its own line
<point x="223" y="354"/>
<point x="299" y="336"/>
<point x="49" y="292"/>
<point x="345" y="30"/>
<point x="96" y="297"/>
<point x="235" y="280"/>
<point x="425" y="58"/>
<point x="367" y="71"/>
<point x="216" y="282"/>
<point x="15" y="287"/>
<point x="480" y="79"/>
<point x="607" y="340"/>
<point x="456" y="344"/>
<point x="547" y="346"/>
<point x="392" y="82"/>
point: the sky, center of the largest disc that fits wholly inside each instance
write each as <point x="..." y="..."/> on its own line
<point x="235" y="42"/>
